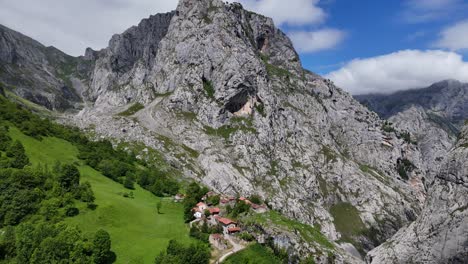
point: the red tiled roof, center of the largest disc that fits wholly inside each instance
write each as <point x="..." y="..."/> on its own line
<point x="256" y="206"/>
<point x="234" y="229"/>
<point x="245" y="200"/>
<point x="201" y="204"/>
<point x="224" y="201"/>
<point x="225" y="221"/>
<point x="214" y="210"/>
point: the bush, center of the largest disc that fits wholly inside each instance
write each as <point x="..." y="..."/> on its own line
<point x="72" y="211"/>
<point x="177" y="253"/>
<point x="255" y="199"/>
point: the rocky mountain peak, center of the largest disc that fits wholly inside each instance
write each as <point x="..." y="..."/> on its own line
<point x="219" y="92"/>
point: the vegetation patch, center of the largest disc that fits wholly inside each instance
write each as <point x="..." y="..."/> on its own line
<point x="132" y="110"/>
<point x="330" y="155"/>
<point x="260" y="107"/>
<point x="308" y="233"/>
<point x="347" y="220"/>
<point x="208" y="87"/>
<point x="254" y="254"/>
<point x="404" y="166"/>
<point x="187" y="115"/>
<point x="237" y="124"/>
<point x="388" y="127"/>
<point x="274" y="70"/>
<point x="79" y="183"/>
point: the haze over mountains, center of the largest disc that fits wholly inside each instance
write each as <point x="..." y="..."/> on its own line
<point x="221" y="92"/>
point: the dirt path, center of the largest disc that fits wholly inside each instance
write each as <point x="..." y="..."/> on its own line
<point x="235" y="248"/>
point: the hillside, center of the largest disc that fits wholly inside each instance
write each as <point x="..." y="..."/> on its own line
<point x="138" y="233"/>
<point x="217" y="94"/>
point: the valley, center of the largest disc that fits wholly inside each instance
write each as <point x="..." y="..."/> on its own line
<point x="207" y="113"/>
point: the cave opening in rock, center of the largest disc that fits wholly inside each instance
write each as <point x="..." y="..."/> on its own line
<point x="260" y="42"/>
<point x="238" y="101"/>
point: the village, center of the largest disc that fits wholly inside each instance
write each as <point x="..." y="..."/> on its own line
<point x="215" y="212"/>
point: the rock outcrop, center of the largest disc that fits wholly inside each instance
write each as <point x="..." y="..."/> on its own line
<point x="440" y="234"/>
<point x="432" y="116"/>
<point x="43" y="75"/>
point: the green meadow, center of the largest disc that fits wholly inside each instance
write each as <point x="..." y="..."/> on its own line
<point x="137" y="231"/>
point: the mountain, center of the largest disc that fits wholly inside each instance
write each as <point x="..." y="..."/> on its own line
<point x="226" y="99"/>
<point x="220" y="93"/>
<point x="440" y="234"/>
<point x="43" y="75"/>
<point x="447" y="99"/>
<point x="433" y="116"/>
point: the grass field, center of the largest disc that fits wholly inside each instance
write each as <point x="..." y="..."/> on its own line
<point x="137" y="231"/>
<point x="254" y="254"/>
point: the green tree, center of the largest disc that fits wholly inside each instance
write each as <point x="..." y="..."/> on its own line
<point x="102" y="247"/>
<point x="7" y="244"/>
<point x="158" y="206"/>
<point x="128" y="183"/>
<point x="69" y="177"/>
<point x="85" y="193"/>
<point x="17" y="153"/>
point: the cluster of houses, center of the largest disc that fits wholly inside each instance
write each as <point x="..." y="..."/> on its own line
<point x="205" y="210"/>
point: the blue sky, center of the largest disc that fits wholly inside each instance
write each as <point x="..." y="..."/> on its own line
<point x="364" y="46"/>
<point x="375" y="28"/>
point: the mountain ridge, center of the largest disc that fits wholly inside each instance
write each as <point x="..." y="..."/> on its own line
<point x="222" y="93"/>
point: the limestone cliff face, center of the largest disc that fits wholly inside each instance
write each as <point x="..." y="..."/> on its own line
<point x="226" y="100"/>
<point x="226" y="83"/>
<point x="40" y="74"/>
<point x="440" y="234"/>
<point x="122" y="70"/>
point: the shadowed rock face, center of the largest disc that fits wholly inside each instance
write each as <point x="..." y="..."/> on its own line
<point x="433" y="116"/>
<point x="440" y="234"/>
<point x="43" y="75"/>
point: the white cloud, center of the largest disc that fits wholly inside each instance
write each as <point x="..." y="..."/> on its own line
<point x="314" y="41"/>
<point x="400" y="71"/>
<point x="420" y="11"/>
<point x="291" y="12"/>
<point x="454" y="37"/>
<point x="74" y="25"/>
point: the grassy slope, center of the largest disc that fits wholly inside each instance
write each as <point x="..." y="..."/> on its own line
<point x="138" y="233"/>
<point x="254" y="254"/>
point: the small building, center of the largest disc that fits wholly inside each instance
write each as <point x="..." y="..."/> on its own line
<point x="227" y="200"/>
<point x="226" y="223"/>
<point x="259" y="208"/>
<point x="198" y="215"/>
<point x="214" y="210"/>
<point x="201" y="206"/>
<point x="233" y="230"/>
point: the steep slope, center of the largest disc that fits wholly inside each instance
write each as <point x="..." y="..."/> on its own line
<point x="227" y="100"/>
<point x="433" y="116"/>
<point x="440" y="234"/>
<point x="43" y="75"/>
